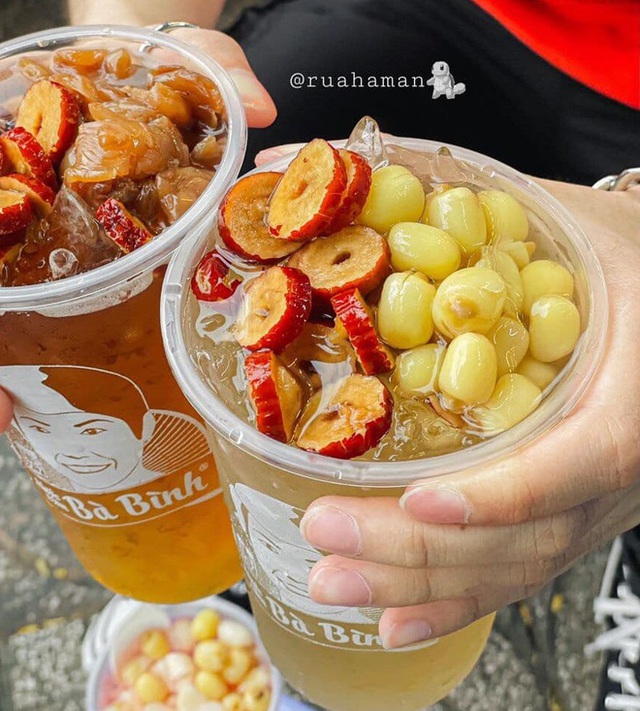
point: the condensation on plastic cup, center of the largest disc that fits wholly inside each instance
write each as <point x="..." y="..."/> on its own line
<point x="122" y="613"/>
<point x="69" y="296"/>
<point x="563" y="232"/>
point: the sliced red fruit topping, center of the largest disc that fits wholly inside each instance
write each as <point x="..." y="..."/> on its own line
<point x="306" y="199"/>
<point x="15" y="211"/>
<point x="355" y="316"/>
<point x="275" y="307"/>
<point x="357" y="257"/>
<point x="50" y="112"/>
<point x="350" y="421"/>
<point x="25" y="155"/>
<point x="355" y="194"/>
<point x="318" y="342"/>
<point x="242" y="222"/>
<point x="127" y="231"/>
<point x="275" y="394"/>
<point x="212" y="280"/>
<point x="40" y="195"/>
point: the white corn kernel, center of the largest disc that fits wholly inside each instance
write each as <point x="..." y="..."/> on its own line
<point x="257" y="679"/>
<point x="541" y="374"/>
<point x="234" y="634"/>
<point x="545" y="277"/>
<point x="511" y="340"/>
<point x="554" y="328"/>
<point x="404" y="310"/>
<point x="173" y="667"/>
<point x="470" y="299"/>
<point x="505" y="216"/>
<point x="189" y="698"/>
<point x="513" y="399"/>
<point x="423" y="248"/>
<point x="469" y="369"/>
<point x="180" y="637"/>
<point x="459" y="213"/>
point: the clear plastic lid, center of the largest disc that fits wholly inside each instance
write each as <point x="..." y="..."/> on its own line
<point x="158" y="250"/>
<point x="555" y="223"/>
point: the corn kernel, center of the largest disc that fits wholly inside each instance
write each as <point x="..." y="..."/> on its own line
<point x="513" y="399"/>
<point x="258" y="678"/>
<point x="173" y="667"/>
<point x="256" y="700"/>
<point x="404" y="310"/>
<point x="210" y="655"/>
<point x="134" y="669"/>
<point x="232" y="702"/>
<point x="395" y="195"/>
<point x="239" y="663"/>
<point x="469" y="369"/>
<point x="151" y="688"/>
<point x="505" y="216"/>
<point x="211" y="685"/>
<point x="459" y="213"/>
<point x="554" y="328"/>
<point x="189" y="698"/>
<point x="205" y="625"/>
<point x="544" y="278"/>
<point x="155" y="644"/>
<point x="234" y="634"/>
<point x="180" y="637"/>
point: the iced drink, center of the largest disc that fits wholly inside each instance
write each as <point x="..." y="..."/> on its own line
<point x="360" y="318"/>
<point x="105" y="151"/>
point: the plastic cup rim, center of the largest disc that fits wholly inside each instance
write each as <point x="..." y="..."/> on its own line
<point x="151" y="255"/>
<point x="378" y="474"/>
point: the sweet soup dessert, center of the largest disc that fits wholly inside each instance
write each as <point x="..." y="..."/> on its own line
<point x="100" y="150"/>
<point x="360" y="313"/>
<point x="203" y="663"/>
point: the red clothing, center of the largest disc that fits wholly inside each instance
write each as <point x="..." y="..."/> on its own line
<point x="596" y="42"/>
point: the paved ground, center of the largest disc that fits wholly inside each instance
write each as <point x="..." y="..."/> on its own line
<point x="533" y="662"/>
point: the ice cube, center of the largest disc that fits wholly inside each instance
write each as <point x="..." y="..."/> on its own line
<point x="62" y="263"/>
<point x="446" y="169"/>
<point x="366" y="140"/>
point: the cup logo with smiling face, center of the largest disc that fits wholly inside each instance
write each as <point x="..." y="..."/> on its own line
<point x="91" y="428"/>
<point x="278" y="558"/>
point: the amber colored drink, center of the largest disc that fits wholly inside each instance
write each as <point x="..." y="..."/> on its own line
<point x="116" y="450"/>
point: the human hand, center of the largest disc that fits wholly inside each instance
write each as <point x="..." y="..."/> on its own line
<point x="450" y="552"/>
<point x="259" y="106"/>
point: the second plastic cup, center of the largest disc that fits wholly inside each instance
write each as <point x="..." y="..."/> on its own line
<point x="110" y="442"/>
<point x="333" y="655"/>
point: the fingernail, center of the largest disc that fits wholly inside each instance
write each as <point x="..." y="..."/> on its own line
<point x="337" y="586"/>
<point x="332" y="530"/>
<point x="251" y="91"/>
<point x="402" y="635"/>
<point x="435" y="504"/>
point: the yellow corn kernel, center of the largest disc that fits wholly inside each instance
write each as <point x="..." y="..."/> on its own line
<point x="459" y="213"/>
<point x="211" y="685"/>
<point x="256" y="700"/>
<point x="469" y="369"/>
<point x="511" y="340"/>
<point x="545" y="277"/>
<point x="396" y="195"/>
<point x="239" y="663"/>
<point x="210" y="655"/>
<point x="542" y="374"/>
<point x="554" y="328"/>
<point x="416" y="371"/>
<point x="513" y="399"/>
<point x="505" y="216"/>
<point x="232" y="702"/>
<point x="423" y="248"/>
<point x="155" y="644"/>
<point x="205" y="625"/>
<point x="134" y="669"/>
<point x="502" y="263"/>
<point x="257" y="679"/>
<point x="470" y="299"/>
<point x="150" y="688"/>
<point x="404" y="310"/>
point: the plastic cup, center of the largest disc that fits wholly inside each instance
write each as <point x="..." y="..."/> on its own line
<point x="110" y="442"/>
<point x="333" y="655"/>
